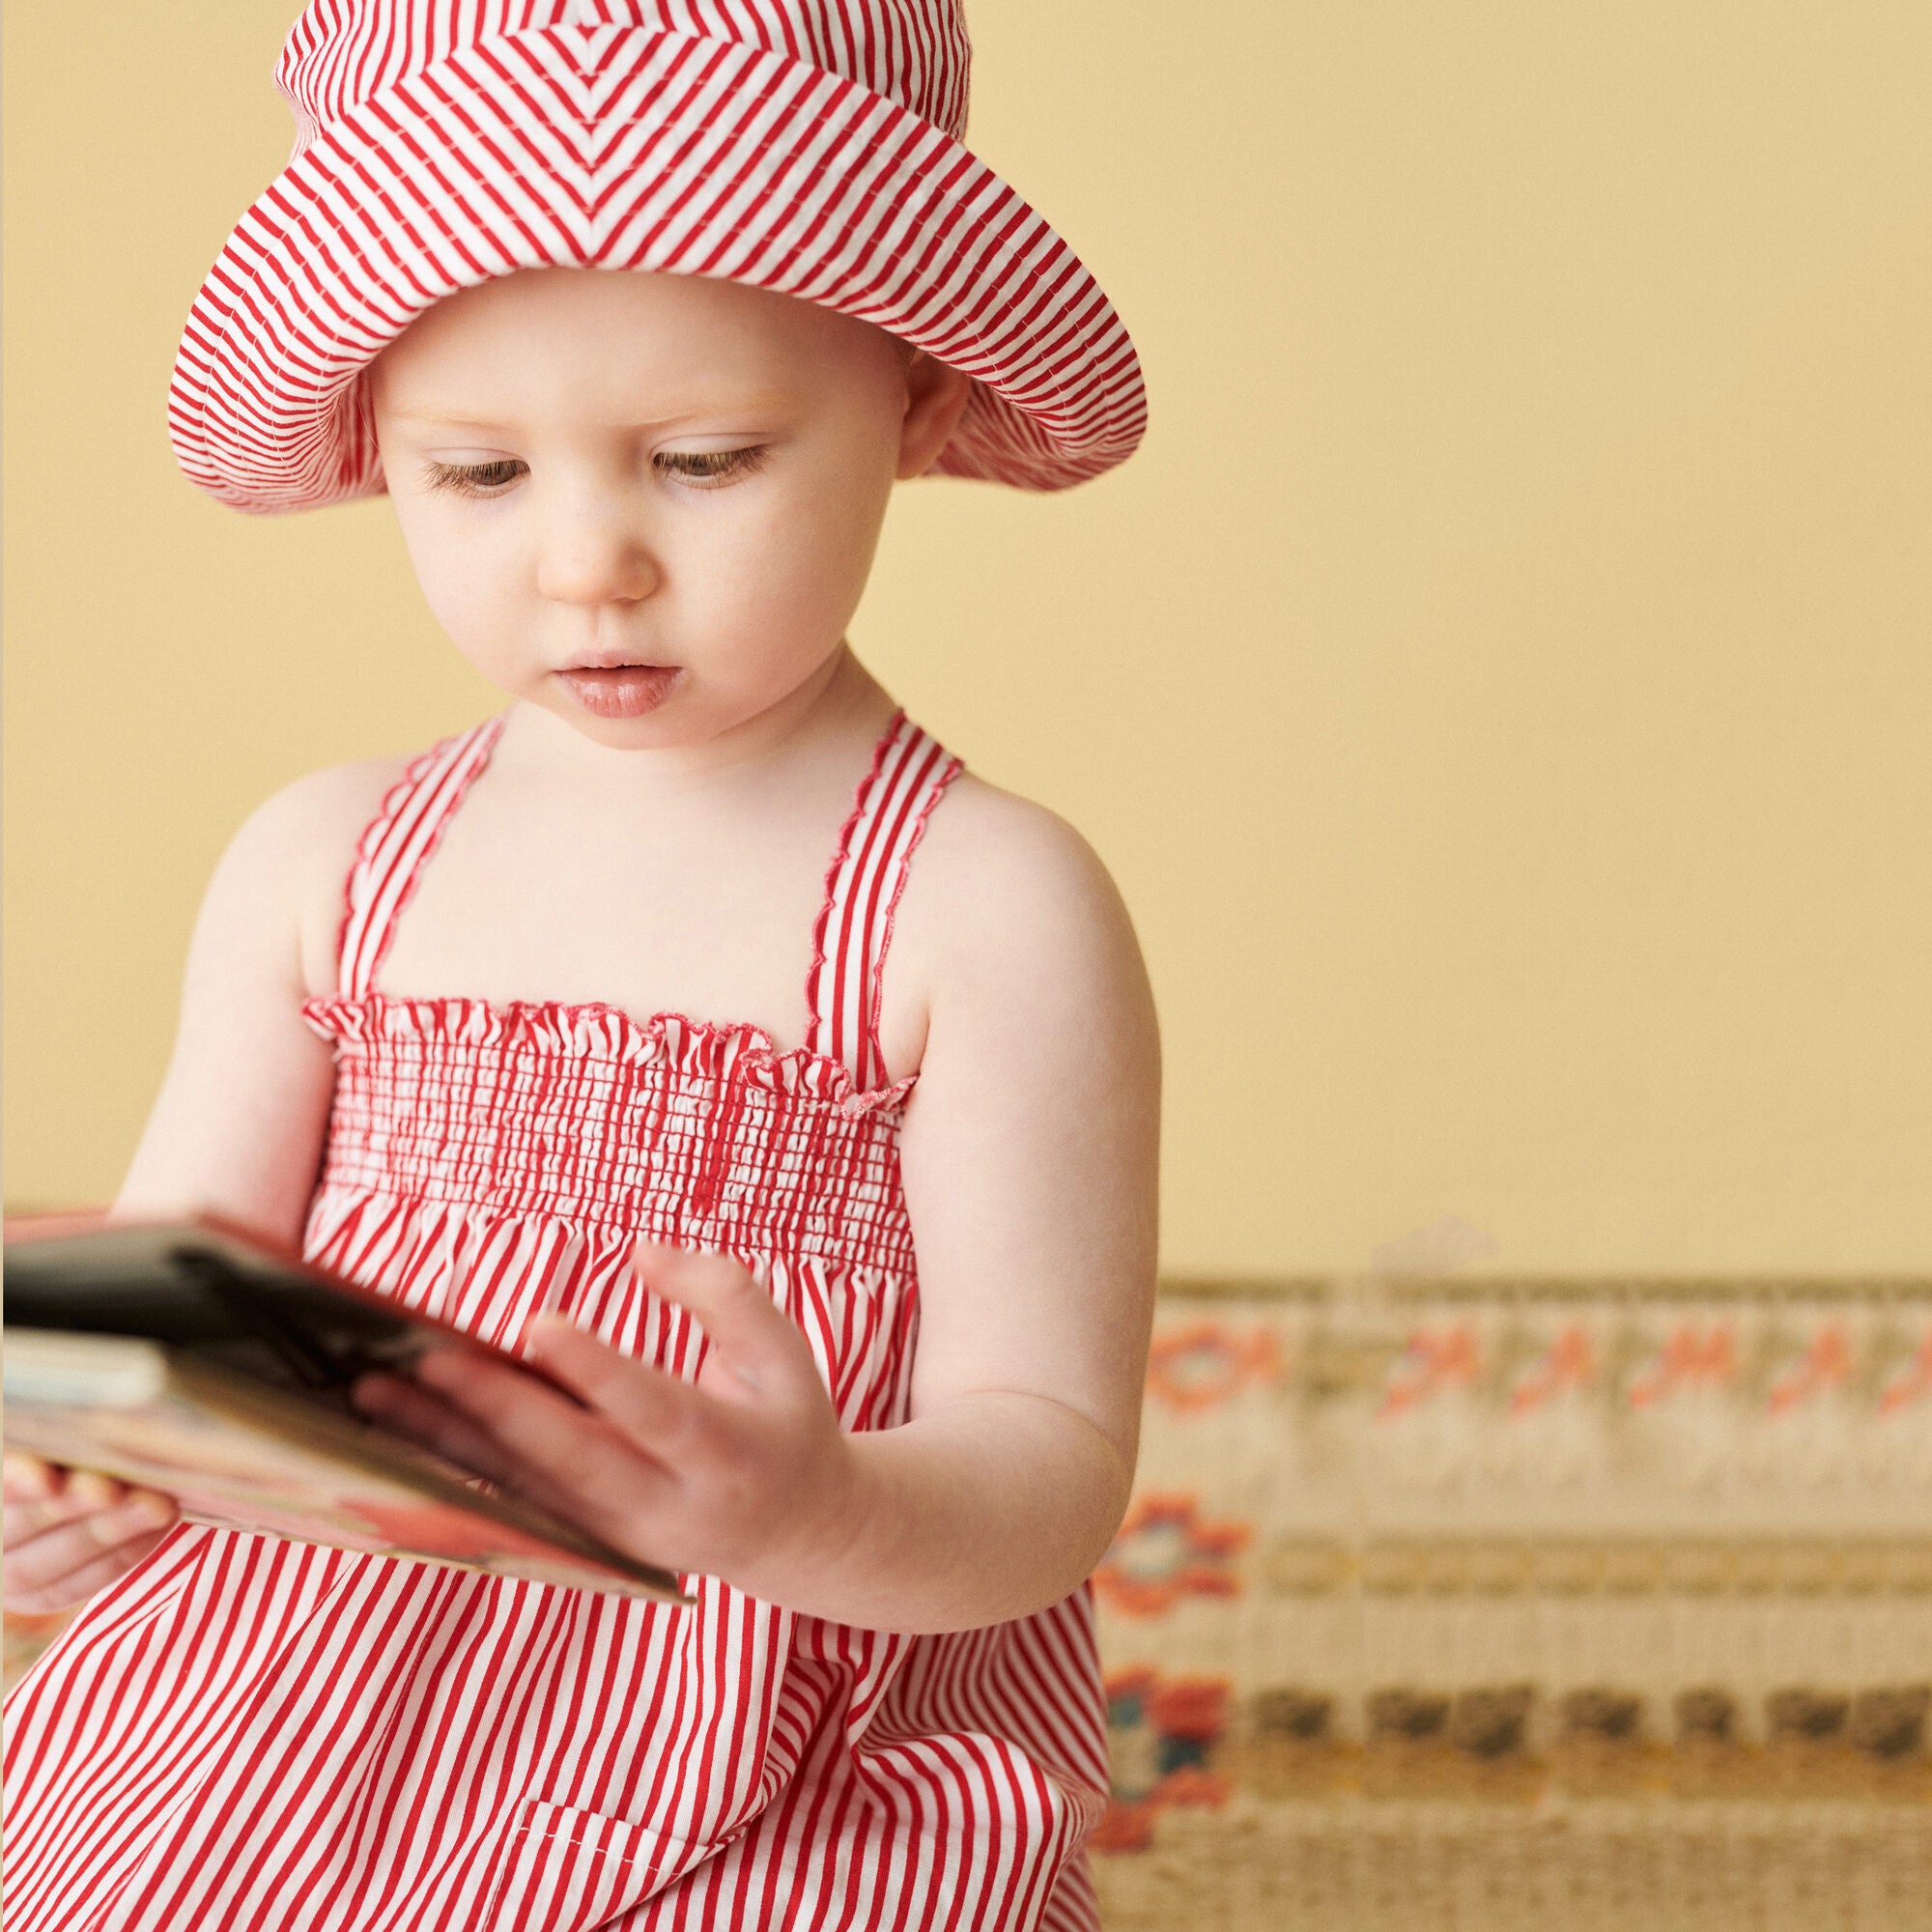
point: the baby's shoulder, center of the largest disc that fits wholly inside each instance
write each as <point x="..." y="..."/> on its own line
<point x="1012" y="953"/>
<point x="982" y="830"/>
<point x="316" y="820"/>
<point x="998" y="871"/>
<point x="290" y="859"/>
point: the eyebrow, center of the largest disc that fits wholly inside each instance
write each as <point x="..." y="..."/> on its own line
<point x="762" y="402"/>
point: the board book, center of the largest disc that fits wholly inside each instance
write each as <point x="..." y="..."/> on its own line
<point x="198" y="1359"/>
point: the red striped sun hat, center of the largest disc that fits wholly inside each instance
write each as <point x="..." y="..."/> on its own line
<point x="811" y="147"/>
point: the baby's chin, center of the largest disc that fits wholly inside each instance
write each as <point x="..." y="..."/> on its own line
<point x="651" y="712"/>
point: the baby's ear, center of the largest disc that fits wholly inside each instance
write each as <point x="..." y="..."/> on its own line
<point x="936" y="396"/>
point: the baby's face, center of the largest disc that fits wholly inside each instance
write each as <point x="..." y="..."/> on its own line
<point x="648" y="503"/>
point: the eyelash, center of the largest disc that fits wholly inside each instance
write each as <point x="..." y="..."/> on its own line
<point x="706" y="467"/>
<point x="471" y="479"/>
<point x="709" y="465"/>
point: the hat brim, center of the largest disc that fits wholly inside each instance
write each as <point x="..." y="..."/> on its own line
<point x="648" y="150"/>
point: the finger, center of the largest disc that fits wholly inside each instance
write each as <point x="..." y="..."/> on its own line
<point x="426" y="1418"/>
<point x="756" y="1341"/>
<point x="26" y="1519"/>
<point x="521" y="1412"/>
<point x="93" y="1490"/>
<point x="77" y="1585"/>
<point x="652" y="1407"/>
<point x="574" y="1459"/>
<point x="28" y="1514"/>
<point x="32" y="1478"/>
<point x="27" y="1478"/>
<point x="62" y="1548"/>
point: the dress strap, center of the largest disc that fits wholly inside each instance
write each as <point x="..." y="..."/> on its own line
<point x="397" y="845"/>
<point x="910" y="770"/>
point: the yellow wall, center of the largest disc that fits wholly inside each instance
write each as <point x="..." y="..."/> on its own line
<point x="1501" y="685"/>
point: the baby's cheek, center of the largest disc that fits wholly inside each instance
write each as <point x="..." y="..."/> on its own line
<point x="478" y="590"/>
<point x="789" y="597"/>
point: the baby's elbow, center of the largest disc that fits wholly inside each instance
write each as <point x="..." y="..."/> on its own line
<point x="1107" y="1489"/>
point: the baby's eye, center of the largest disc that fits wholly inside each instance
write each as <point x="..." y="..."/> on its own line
<point x="474" y="479"/>
<point x="709" y="465"/>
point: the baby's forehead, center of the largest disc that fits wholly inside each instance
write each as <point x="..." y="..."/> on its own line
<point x="627" y="328"/>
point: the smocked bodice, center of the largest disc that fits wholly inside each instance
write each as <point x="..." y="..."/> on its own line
<point x="702" y="1136"/>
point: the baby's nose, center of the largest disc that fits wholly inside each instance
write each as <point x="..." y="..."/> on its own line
<point x="596" y="561"/>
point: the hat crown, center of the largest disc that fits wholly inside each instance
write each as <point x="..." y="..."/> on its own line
<point x="914" y="52"/>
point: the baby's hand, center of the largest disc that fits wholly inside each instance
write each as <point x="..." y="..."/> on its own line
<point x="745" y="1468"/>
<point x="70" y="1532"/>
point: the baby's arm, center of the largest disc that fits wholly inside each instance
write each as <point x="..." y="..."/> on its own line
<point x="237" y="1130"/>
<point x="1030" y="1155"/>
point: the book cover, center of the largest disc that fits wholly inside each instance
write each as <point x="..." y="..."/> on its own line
<point x="202" y="1361"/>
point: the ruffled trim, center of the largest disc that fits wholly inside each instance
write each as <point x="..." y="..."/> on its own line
<point x="396" y="798"/>
<point x="822" y="925"/>
<point x="935" y="791"/>
<point x="737" y="1052"/>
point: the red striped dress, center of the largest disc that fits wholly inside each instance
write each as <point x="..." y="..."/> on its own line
<point x="251" y="1733"/>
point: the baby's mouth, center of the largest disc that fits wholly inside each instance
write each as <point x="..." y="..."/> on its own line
<point x="619" y="690"/>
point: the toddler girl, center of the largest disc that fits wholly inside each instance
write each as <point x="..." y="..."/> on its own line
<point x="498" y="1082"/>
